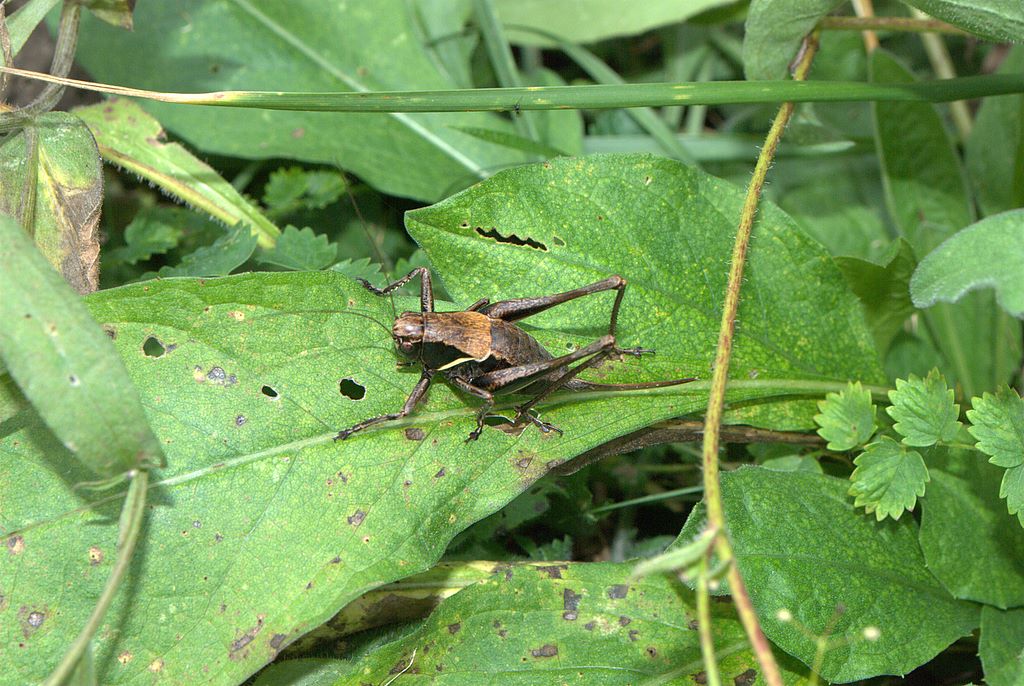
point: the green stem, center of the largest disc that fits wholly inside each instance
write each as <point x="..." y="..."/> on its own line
<point x="579" y="97"/>
<point x="653" y="498"/>
<point x="707" y="641"/>
<point x="132" y="514"/>
<point x="716" y="396"/>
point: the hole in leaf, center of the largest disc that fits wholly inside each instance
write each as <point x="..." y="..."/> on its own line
<point x="153" y="348"/>
<point x="511" y="239"/>
<point x="350" y="389"/>
<point x="268" y="391"/>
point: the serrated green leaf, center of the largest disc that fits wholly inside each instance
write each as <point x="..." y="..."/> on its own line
<point x="972" y="545"/>
<point x="226" y="254"/>
<point x="363" y="268"/>
<point x="847" y="418"/>
<point x="301" y="249"/>
<point x="986" y="254"/>
<point x="295" y="188"/>
<point x="888" y="479"/>
<point x="153" y="231"/>
<point x="51" y="182"/>
<point x="334" y="47"/>
<point x="66" y="365"/>
<point x="130" y="138"/>
<point x="802" y="546"/>
<point x="923" y="410"/>
<point x="1002" y="634"/>
<point x="997" y="423"/>
<point x="997" y="20"/>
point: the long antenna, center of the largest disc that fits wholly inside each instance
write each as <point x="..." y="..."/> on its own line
<point x="369" y="237"/>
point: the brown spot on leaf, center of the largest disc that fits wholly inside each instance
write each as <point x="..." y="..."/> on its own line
<point x="546" y="650"/>
<point x="15" y="545"/>
<point x="95" y="556"/>
<point x="454" y="628"/>
<point x="746" y="679"/>
<point x="237" y="650"/>
<point x="415" y="434"/>
<point x="633" y="634"/>
<point x="553" y="571"/>
<point x="31" y="619"/>
<point x="336" y="560"/>
<point x="440" y="473"/>
<point x="276" y="641"/>
<point x="700" y="678"/>
<point x="589" y="626"/>
<point x="156" y="666"/>
<point x="618" y="591"/>
<point x="570" y="603"/>
<point x="624" y="620"/>
<point x="357" y="518"/>
<point x="651" y="651"/>
<point x="125" y="657"/>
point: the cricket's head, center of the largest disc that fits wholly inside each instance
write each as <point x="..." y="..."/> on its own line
<point x="408" y="333"/>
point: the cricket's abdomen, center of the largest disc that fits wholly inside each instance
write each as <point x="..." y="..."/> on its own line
<point x="510" y="347"/>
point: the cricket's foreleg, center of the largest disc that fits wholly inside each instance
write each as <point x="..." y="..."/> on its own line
<point x="417" y="394"/>
<point x="426" y="289"/>
<point x="485" y="409"/>
<point x="520" y="308"/>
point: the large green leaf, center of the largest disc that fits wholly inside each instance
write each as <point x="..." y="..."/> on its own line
<point x="801" y="546"/>
<point x="303" y="45"/>
<point x="51" y="182"/>
<point x="929" y="202"/>
<point x="553" y="623"/>
<point x="267" y="527"/>
<point x="668" y="229"/>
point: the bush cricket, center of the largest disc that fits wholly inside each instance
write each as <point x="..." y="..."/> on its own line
<point x="482" y="352"/>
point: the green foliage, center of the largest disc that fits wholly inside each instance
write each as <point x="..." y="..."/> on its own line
<point x="66" y="367"/>
<point x="847" y="418"/>
<point x="888" y="479"/>
<point x="923" y="410"/>
<point x="802" y="547"/>
<point x="301" y="249"/>
<point x="997" y="422"/>
<point x="399" y="549"/>
<point x="989" y="253"/>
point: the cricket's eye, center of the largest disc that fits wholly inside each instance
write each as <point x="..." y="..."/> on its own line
<point x="405" y="346"/>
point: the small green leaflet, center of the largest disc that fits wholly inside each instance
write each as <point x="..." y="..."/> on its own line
<point x="847" y="418"/>
<point x="888" y="479"/>
<point x="997" y="422"/>
<point x="301" y="250"/>
<point x="294" y="188"/>
<point x="923" y="410"/>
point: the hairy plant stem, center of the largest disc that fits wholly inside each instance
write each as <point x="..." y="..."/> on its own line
<point x="132" y="514"/>
<point x="716" y="397"/>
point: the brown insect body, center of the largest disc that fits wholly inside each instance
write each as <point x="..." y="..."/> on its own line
<point x="482" y="352"/>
